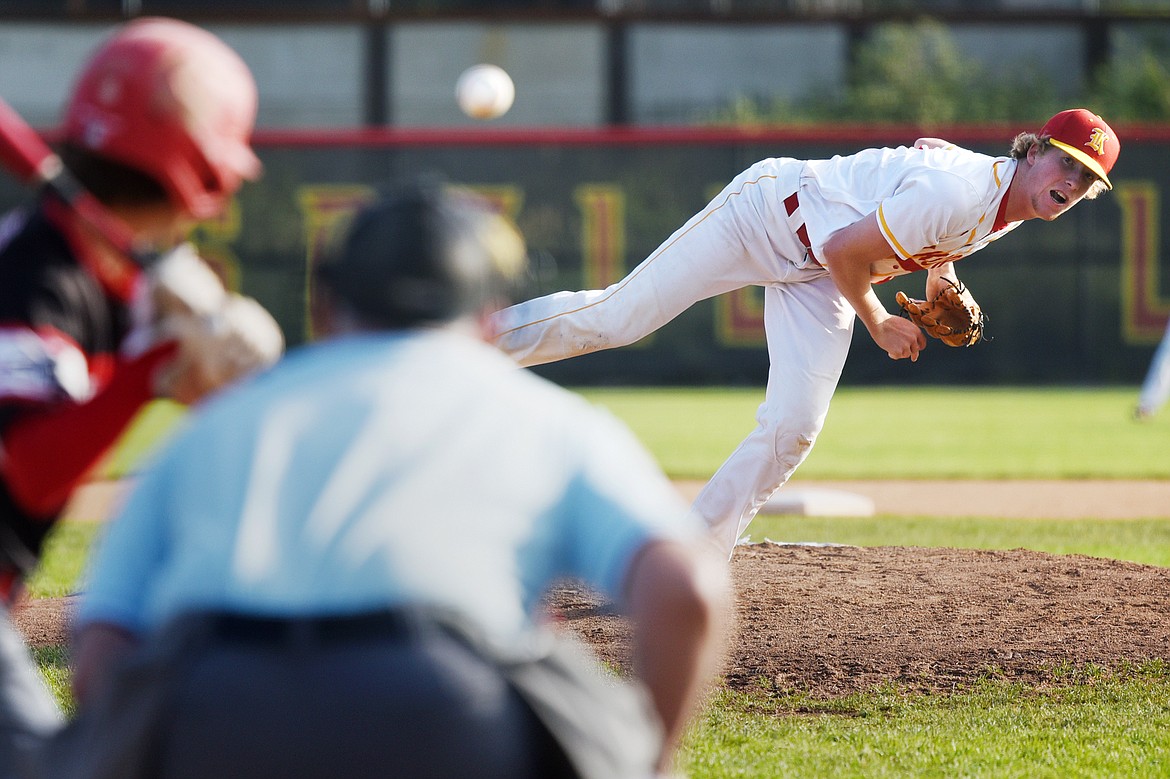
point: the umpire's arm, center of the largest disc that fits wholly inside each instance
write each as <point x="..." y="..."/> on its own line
<point x="678" y="597"/>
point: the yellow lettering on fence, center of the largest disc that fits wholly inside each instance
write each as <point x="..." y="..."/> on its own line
<point x="323" y="208"/>
<point x="1144" y="308"/>
<point x="739" y="318"/>
<point x="214" y="238"/>
<point x="603" y="234"/>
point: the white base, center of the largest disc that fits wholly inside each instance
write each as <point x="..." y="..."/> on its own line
<point x="819" y="502"/>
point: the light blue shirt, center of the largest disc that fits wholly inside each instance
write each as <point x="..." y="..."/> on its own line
<point x="378" y="470"/>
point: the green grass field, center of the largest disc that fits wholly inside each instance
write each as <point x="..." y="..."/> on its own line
<point x="914" y="433"/>
<point x="1108" y="723"/>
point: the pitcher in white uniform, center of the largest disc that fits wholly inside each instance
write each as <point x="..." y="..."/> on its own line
<point x="817" y="234"/>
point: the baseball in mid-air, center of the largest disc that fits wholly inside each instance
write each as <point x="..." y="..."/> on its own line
<point x="485" y="91"/>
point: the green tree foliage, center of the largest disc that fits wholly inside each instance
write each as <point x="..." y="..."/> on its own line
<point x="916" y="74"/>
<point x="1133" y="89"/>
<point x="910" y="73"/>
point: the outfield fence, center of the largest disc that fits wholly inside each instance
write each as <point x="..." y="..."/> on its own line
<point x="1079" y="300"/>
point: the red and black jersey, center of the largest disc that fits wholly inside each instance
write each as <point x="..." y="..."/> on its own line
<point x="65" y="393"/>
<point x="49" y="305"/>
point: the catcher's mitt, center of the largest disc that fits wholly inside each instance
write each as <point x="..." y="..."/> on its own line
<point x="953" y="316"/>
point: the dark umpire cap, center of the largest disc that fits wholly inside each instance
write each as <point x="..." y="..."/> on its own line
<point x="425" y="253"/>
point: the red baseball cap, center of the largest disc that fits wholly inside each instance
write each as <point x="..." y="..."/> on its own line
<point x="1086" y="137"/>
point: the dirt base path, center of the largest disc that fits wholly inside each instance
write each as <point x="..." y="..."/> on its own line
<point x="1088" y="498"/>
<point x="1083" y="499"/>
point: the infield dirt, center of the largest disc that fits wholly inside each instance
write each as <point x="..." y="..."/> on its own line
<point x="838" y="619"/>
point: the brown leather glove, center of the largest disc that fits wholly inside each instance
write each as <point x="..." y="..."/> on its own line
<point x="953" y="316"/>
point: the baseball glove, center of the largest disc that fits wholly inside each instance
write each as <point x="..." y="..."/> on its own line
<point x="953" y="316"/>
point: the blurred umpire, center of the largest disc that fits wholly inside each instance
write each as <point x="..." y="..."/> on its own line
<point x="336" y="569"/>
<point x="157" y="129"/>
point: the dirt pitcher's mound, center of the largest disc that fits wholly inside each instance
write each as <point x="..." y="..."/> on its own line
<point x="835" y="620"/>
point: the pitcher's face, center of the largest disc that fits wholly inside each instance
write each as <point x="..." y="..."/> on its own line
<point x="1055" y="181"/>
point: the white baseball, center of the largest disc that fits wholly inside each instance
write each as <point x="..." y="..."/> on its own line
<point x="485" y="91"/>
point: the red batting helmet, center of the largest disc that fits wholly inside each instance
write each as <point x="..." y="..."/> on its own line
<point x="173" y="101"/>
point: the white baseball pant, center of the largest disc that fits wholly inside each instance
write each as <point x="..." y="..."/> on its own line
<point x="745" y="236"/>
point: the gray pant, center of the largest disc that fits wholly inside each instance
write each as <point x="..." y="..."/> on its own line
<point x="289" y="699"/>
<point x="28" y="711"/>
